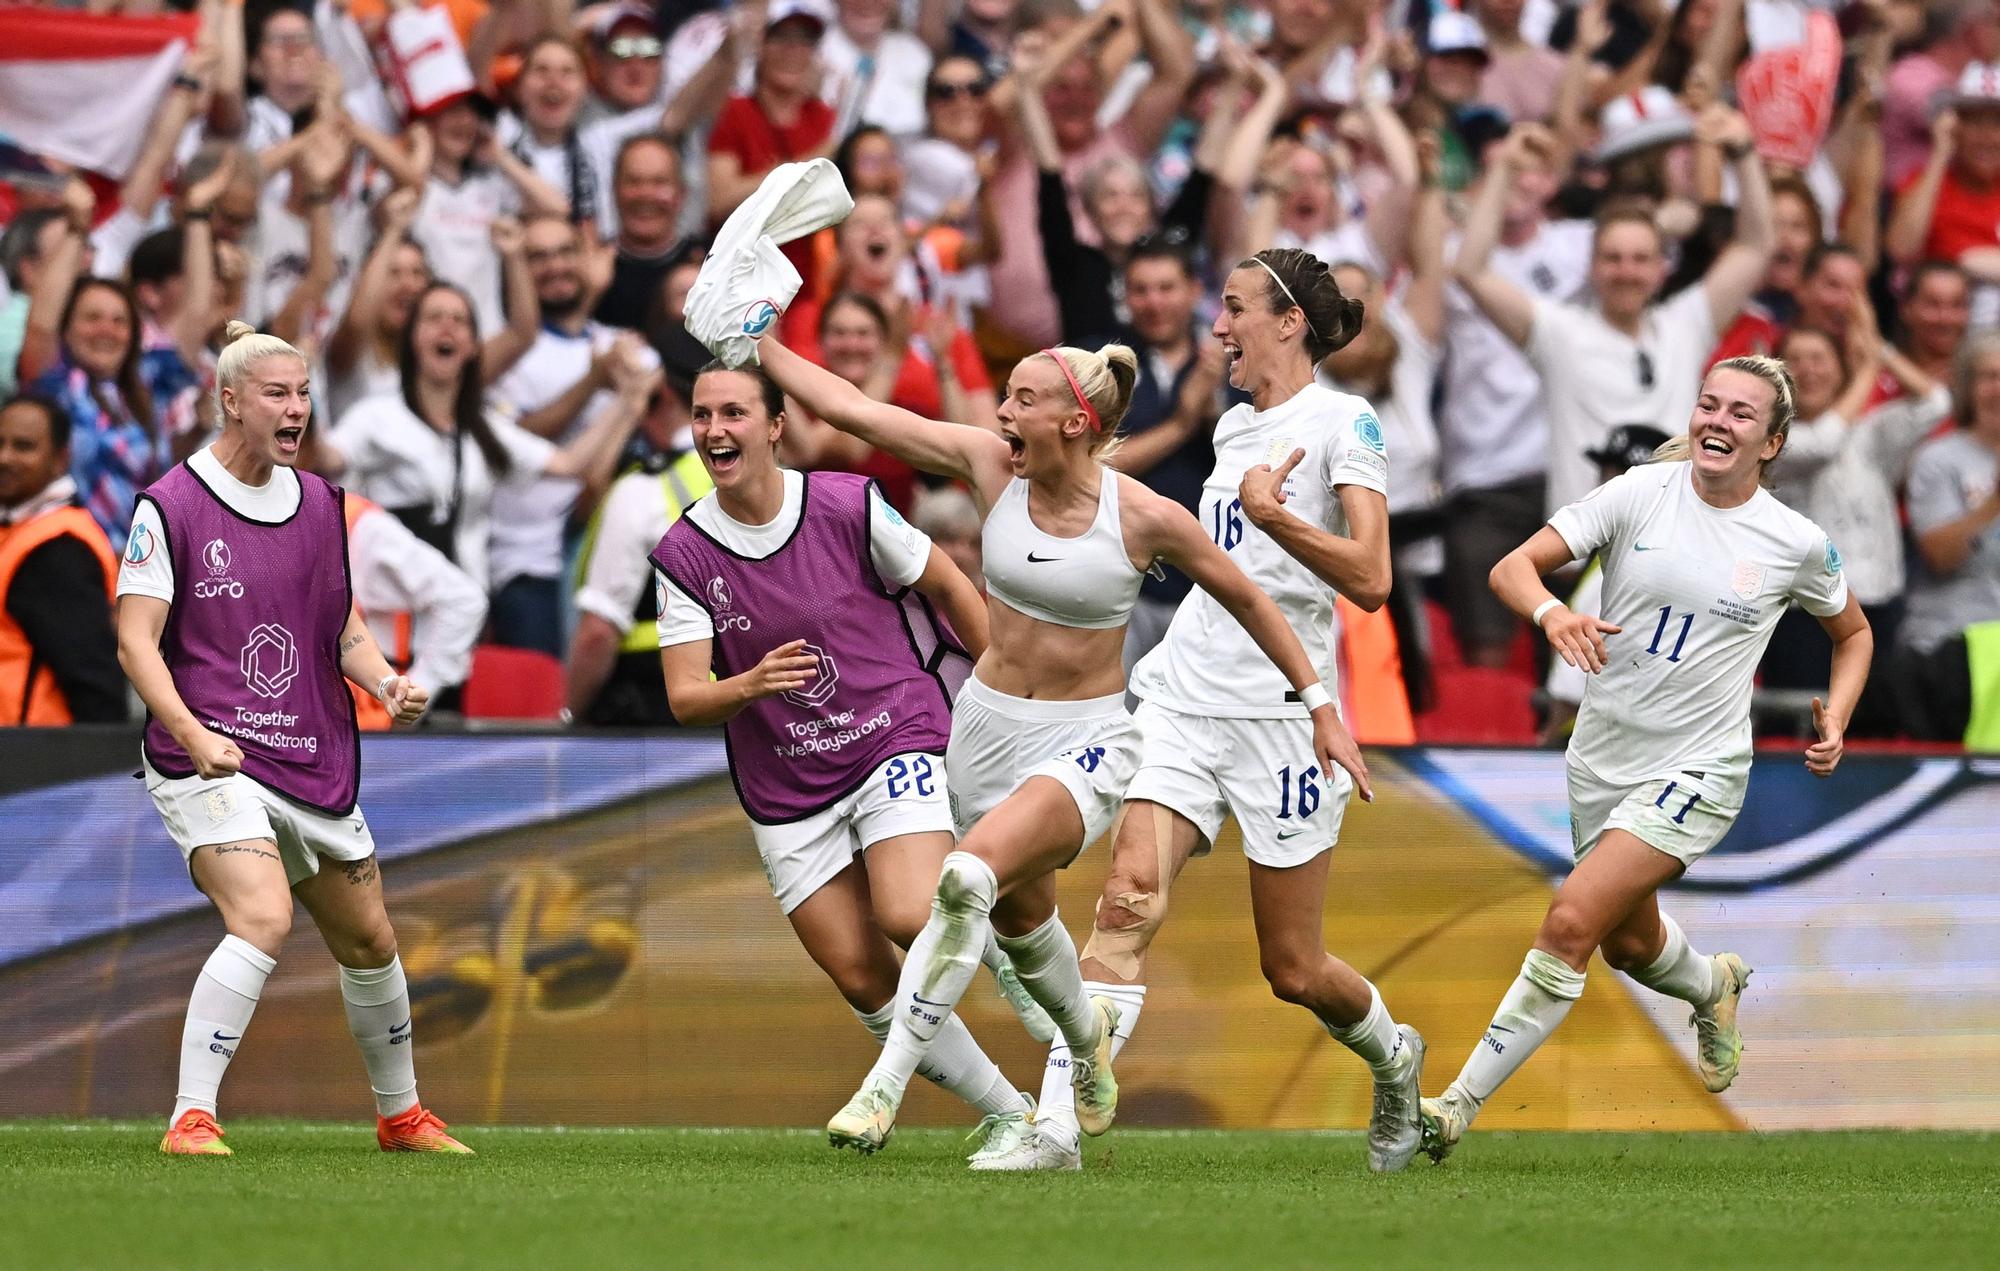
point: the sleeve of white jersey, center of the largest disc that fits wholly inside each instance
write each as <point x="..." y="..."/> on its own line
<point x="1593" y="520"/>
<point x="899" y="549"/>
<point x="619" y="560"/>
<point x="682" y="619"/>
<point x="145" y="569"/>
<point x="1818" y="584"/>
<point x="1356" y="454"/>
<point x="395" y="571"/>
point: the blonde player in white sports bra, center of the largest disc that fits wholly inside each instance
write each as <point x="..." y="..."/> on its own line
<point x="1699" y="564"/>
<point x="1041" y="744"/>
<point x="1298" y="500"/>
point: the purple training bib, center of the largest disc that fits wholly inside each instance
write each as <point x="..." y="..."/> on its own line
<point x="253" y="639"/>
<point x="883" y="666"/>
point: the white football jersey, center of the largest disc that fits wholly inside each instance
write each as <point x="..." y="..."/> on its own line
<point x="1697" y="591"/>
<point x="1207" y="664"/>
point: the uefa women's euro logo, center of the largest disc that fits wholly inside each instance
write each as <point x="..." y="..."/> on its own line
<point x="757" y="319"/>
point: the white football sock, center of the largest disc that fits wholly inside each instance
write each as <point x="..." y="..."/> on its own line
<point x="1680" y="971"/>
<point x="938" y="967"/>
<point x="1535" y="1003"/>
<point x="1375" y="1038"/>
<point x="225" y="995"/>
<point x="378" y="1014"/>
<point x="1045" y="959"/>
<point x="1058" y="1105"/>
<point x="956" y="1063"/>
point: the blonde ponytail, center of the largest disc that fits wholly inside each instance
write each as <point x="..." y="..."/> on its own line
<point x="1104" y="379"/>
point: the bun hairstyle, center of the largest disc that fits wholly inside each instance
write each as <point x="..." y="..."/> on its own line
<point x="242" y="346"/>
<point x="1297" y="279"/>
<point x="1103" y="381"/>
<point x="1784" y="405"/>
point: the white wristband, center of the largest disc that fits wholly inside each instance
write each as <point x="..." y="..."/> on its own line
<point x="1542" y="610"/>
<point x="1314" y="695"/>
<point x="382" y="687"/>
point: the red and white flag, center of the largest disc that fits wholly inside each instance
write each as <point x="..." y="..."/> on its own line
<point x="83" y="88"/>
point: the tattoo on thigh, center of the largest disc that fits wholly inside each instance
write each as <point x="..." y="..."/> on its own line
<point x="230" y="849"/>
<point x="359" y="873"/>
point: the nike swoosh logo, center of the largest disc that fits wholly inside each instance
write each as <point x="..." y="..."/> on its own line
<point x="1641" y="547"/>
<point x="227" y="1037"/>
<point x="400" y="1027"/>
<point x="927" y="1002"/>
<point x="1041" y="560"/>
<point x="1495" y="1028"/>
<point x="1289" y="834"/>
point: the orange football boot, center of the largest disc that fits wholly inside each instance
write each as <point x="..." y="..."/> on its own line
<point x="417" y="1130"/>
<point x="195" y="1134"/>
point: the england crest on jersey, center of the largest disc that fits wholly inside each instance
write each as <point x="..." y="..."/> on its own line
<point x="1748" y="580"/>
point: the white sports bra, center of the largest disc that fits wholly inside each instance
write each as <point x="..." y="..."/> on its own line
<point x="1087" y="581"/>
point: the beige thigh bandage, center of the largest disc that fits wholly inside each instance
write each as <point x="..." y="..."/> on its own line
<point x="1121" y="949"/>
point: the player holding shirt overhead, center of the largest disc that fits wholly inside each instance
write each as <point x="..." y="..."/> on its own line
<point x="1298" y="501"/>
<point x="1699" y="564"/>
<point x="1041" y="745"/>
<point x="795" y="590"/>
<point x="236" y="624"/>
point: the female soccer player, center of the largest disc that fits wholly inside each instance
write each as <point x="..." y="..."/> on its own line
<point x="236" y="623"/>
<point x="1699" y="563"/>
<point x="1041" y="745"/>
<point x="830" y="681"/>
<point x="1222" y="735"/>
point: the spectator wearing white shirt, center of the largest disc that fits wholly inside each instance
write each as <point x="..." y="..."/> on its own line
<point x="560" y="384"/>
<point x="473" y="184"/>
<point x="1493" y="421"/>
<point x="432" y="455"/>
<point x="1954" y="501"/>
<point x="1626" y="358"/>
<point x="873" y="74"/>
<point x="424" y="612"/>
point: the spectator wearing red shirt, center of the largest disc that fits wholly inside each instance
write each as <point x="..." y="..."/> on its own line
<point x="783" y="119"/>
<point x="1951" y="209"/>
<point x="874" y="260"/>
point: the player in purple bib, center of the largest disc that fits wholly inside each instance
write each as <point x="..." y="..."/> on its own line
<point x="236" y="624"/>
<point x="799" y="611"/>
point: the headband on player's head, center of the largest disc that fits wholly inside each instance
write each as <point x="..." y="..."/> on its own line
<point x="1089" y="411"/>
<point x="1288" y="293"/>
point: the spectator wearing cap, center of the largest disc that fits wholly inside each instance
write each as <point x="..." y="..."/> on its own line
<point x="473" y="185"/>
<point x="782" y="120"/>
<point x="1520" y="77"/>
<point x="1841" y="466"/>
<point x="1625" y="447"/>
<point x="647" y="187"/>
<point x="614" y="656"/>
<point x="1450" y="81"/>
<point x="625" y="69"/>
<point x="1625" y="358"/>
<point x="1071" y="84"/>
<point x="1493" y="419"/>
<point x="1951" y="209"/>
<point x="1170" y="422"/>
<point x="1957" y="34"/>
<point x="874" y="73"/>
<point x="58" y="656"/>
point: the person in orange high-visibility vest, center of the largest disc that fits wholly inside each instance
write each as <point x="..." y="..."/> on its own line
<point x="58" y="655"/>
<point x="424" y="611"/>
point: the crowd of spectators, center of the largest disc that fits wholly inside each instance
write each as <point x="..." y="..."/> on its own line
<point x="1557" y="215"/>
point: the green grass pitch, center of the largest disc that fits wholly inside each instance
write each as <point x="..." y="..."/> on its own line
<point x="99" y="1195"/>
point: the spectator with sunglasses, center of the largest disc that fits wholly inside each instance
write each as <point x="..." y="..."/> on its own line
<point x="1626" y="358"/>
<point x="942" y="169"/>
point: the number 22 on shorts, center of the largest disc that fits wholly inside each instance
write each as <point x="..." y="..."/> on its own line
<point x="905" y="775"/>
